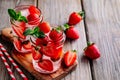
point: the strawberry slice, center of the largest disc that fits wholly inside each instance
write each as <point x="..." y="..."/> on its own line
<point x="33" y="10"/>
<point x="42" y="41"/>
<point x="46" y="65"/>
<point x="17" y="44"/>
<point x="51" y="50"/>
<point x="70" y="57"/>
<point x="32" y="17"/>
<point x="36" y="54"/>
<point x="27" y="45"/>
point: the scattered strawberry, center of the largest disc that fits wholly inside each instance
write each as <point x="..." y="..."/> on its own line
<point x="17" y="44"/>
<point x="42" y="41"/>
<point x="34" y="10"/>
<point x="71" y="32"/>
<point x="36" y="54"/>
<point x="27" y="45"/>
<point x="51" y="50"/>
<point x="91" y="51"/>
<point x="46" y="65"/>
<point x="56" y="34"/>
<point x="45" y="27"/>
<point x="70" y="57"/>
<point x="75" y="18"/>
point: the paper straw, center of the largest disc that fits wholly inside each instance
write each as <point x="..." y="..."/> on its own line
<point x="13" y="63"/>
<point x="7" y="66"/>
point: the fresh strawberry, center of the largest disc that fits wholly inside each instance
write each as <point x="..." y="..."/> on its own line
<point x="34" y="10"/>
<point x="17" y="44"/>
<point x="19" y="32"/>
<point x="70" y="57"/>
<point x="45" y="27"/>
<point x="75" y="18"/>
<point x="36" y="54"/>
<point x="27" y="45"/>
<point x="91" y="51"/>
<point x="72" y="33"/>
<point x="46" y="65"/>
<point x="51" y="50"/>
<point x="56" y="34"/>
<point x="42" y="41"/>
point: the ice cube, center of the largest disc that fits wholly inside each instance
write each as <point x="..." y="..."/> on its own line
<point x="25" y="12"/>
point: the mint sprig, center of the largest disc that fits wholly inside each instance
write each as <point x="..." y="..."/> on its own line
<point x="16" y="16"/>
<point x="34" y="32"/>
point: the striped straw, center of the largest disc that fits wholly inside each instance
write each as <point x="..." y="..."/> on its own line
<point x="12" y="61"/>
<point x="7" y="66"/>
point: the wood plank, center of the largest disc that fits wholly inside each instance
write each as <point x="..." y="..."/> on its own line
<point x="4" y="22"/>
<point x="56" y="12"/>
<point x="103" y="24"/>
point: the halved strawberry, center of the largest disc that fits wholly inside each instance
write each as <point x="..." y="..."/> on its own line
<point x="19" y="32"/>
<point x="36" y="54"/>
<point x="45" y="27"/>
<point x="69" y="58"/>
<point x="27" y="45"/>
<point x="34" y="10"/>
<point x="17" y="44"/>
<point x="46" y="65"/>
<point x="32" y="17"/>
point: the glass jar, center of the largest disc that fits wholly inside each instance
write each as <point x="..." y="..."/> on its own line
<point x="18" y="27"/>
<point x="53" y="53"/>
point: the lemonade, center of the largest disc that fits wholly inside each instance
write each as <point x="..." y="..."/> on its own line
<point x="31" y="36"/>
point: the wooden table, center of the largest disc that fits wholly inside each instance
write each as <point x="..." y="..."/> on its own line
<point x="101" y="25"/>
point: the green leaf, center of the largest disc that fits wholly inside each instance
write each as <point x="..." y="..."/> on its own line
<point x="40" y="34"/>
<point x="12" y="13"/>
<point x="22" y="18"/>
<point x="28" y="32"/>
<point x="36" y="29"/>
<point x="66" y="26"/>
<point x="18" y="15"/>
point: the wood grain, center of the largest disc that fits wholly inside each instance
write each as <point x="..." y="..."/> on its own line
<point x="56" y="12"/>
<point x="103" y="25"/>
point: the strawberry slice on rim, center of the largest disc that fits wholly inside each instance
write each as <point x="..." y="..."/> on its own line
<point x="46" y="65"/>
<point x="33" y="10"/>
<point x="17" y="44"/>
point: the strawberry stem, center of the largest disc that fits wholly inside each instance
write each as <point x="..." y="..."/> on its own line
<point x="88" y="43"/>
<point x="74" y="50"/>
<point x="82" y="14"/>
<point x="66" y="26"/>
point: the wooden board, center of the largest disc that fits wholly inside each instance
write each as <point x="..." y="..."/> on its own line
<point x="103" y="28"/>
<point x="26" y="61"/>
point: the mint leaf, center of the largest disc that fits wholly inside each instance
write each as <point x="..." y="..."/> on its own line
<point x="12" y="13"/>
<point x="22" y="18"/>
<point x="16" y="16"/>
<point x="28" y="32"/>
<point x="40" y="34"/>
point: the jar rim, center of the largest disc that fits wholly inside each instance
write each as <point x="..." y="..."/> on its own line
<point x="22" y="7"/>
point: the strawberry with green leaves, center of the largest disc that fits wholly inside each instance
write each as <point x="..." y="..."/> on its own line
<point x="70" y="58"/>
<point x="71" y="32"/>
<point x="75" y="18"/>
<point x="56" y="34"/>
<point x="92" y="51"/>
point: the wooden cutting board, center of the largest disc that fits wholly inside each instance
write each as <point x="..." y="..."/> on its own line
<point x="25" y="60"/>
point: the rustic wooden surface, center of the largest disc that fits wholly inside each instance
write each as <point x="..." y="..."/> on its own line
<point x="101" y="25"/>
